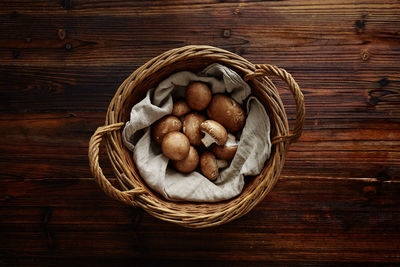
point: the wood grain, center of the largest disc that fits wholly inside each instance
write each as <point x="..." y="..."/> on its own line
<point x="345" y="210"/>
<point x="338" y="200"/>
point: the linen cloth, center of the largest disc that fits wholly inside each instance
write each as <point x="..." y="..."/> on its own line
<point x="253" y="150"/>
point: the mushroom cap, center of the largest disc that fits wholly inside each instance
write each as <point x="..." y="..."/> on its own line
<point x="225" y="152"/>
<point x="226" y="111"/>
<point x="198" y="95"/>
<point x="228" y="151"/>
<point x="175" y="146"/>
<point x="180" y="108"/>
<point x="189" y="163"/>
<point x="191" y="127"/>
<point x="208" y="165"/>
<point x="215" y="130"/>
<point x="165" y="125"/>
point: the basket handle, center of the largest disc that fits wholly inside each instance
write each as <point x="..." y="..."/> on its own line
<point x="94" y="143"/>
<point x="263" y="70"/>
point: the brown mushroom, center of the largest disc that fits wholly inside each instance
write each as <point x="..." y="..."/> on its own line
<point x="209" y="165"/>
<point x="180" y="108"/>
<point x="165" y="125"/>
<point x="189" y="163"/>
<point x="175" y="145"/>
<point x="198" y="95"/>
<point x="226" y="111"/>
<point x="214" y="133"/>
<point x="191" y="127"/>
<point x="228" y="151"/>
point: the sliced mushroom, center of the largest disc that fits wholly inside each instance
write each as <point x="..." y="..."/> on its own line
<point x="191" y="128"/>
<point x="175" y="145"/>
<point x="165" y="125"/>
<point x="180" y="108"/>
<point x="214" y="133"/>
<point x="198" y="95"/>
<point x="189" y="163"/>
<point x="228" y="151"/>
<point x="209" y="165"/>
<point x="226" y="111"/>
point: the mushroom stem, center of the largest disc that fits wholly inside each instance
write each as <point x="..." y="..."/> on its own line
<point x="207" y="140"/>
<point x="231" y="140"/>
<point x="222" y="163"/>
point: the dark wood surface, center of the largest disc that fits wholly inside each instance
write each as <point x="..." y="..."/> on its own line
<point x="338" y="199"/>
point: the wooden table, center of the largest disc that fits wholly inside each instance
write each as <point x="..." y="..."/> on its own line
<point x="338" y="199"/>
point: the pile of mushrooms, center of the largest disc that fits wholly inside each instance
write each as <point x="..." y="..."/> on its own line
<point x="203" y="124"/>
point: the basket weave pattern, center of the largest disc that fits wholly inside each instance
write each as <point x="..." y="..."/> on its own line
<point x="193" y="58"/>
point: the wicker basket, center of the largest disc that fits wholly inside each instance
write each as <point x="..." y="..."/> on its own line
<point x="134" y="190"/>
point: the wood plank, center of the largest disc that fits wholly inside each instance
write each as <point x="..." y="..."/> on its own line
<point x="184" y="246"/>
<point x="73" y="89"/>
<point x="93" y="53"/>
<point x="334" y="192"/>
<point x="117" y="218"/>
<point x="122" y="260"/>
<point x="114" y="6"/>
